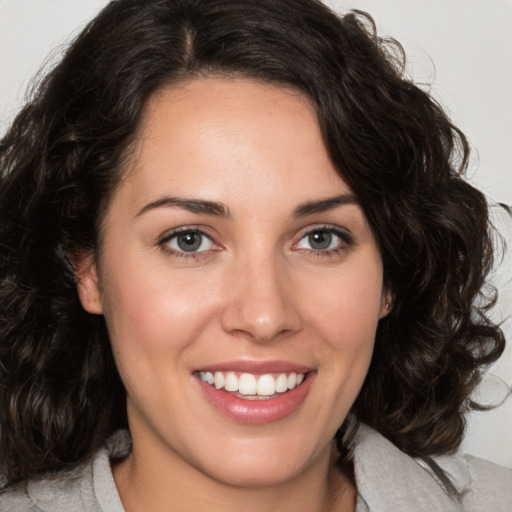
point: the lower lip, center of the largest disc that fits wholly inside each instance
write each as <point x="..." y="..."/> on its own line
<point x="257" y="411"/>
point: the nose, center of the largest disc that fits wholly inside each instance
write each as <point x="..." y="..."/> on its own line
<point x="260" y="305"/>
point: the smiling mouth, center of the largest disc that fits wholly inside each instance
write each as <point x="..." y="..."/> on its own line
<point x="250" y="386"/>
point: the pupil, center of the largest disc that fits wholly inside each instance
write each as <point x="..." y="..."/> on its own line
<point x="320" y="240"/>
<point x="189" y="242"/>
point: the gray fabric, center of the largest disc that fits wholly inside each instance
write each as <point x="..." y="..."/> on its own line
<point x="387" y="481"/>
<point x="89" y="488"/>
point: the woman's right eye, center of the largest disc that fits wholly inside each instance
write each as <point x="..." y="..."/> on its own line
<point x="188" y="241"/>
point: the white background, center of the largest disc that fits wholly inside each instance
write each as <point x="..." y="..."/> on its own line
<point x="462" y="50"/>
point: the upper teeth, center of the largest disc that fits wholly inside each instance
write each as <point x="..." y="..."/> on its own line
<point x="249" y="384"/>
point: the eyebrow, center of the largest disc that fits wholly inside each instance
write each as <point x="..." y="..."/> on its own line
<point x="324" y="205"/>
<point x="192" y="205"/>
<point x="218" y="209"/>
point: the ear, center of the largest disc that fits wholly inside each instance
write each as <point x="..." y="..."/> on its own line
<point x="386" y="304"/>
<point x="88" y="283"/>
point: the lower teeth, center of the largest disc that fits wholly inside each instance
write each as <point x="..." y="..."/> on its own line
<point x="255" y="397"/>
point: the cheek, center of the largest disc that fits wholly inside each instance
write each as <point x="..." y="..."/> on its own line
<point x="345" y="312"/>
<point x="348" y="303"/>
<point x="154" y="316"/>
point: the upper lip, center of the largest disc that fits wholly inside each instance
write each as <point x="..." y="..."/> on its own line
<point x="255" y="367"/>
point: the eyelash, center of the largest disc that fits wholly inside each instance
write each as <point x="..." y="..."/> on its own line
<point x="342" y="235"/>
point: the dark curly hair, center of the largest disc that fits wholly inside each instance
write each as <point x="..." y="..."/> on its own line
<point x="64" y="155"/>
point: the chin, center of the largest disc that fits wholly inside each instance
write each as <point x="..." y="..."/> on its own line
<point x="264" y="466"/>
<point x="252" y="476"/>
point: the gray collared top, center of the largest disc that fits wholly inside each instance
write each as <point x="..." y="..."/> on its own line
<point x="387" y="479"/>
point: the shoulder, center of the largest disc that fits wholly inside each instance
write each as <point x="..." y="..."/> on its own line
<point x="388" y="479"/>
<point x="88" y="488"/>
<point x="63" y="492"/>
<point x="489" y="486"/>
<point x="16" y="499"/>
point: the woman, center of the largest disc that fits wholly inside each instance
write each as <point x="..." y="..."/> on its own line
<point x="233" y="230"/>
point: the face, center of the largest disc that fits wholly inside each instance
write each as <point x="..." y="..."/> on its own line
<point x="240" y="282"/>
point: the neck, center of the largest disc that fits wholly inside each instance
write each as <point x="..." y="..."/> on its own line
<point x="144" y="484"/>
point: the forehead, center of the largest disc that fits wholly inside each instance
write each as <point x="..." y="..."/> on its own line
<point x="221" y="139"/>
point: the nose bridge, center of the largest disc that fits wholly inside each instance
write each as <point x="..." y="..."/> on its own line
<point x="260" y="304"/>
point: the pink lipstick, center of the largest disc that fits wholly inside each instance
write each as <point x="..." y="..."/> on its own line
<point x="255" y="392"/>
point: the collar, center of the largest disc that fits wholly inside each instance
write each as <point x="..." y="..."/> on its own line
<point x="388" y="479"/>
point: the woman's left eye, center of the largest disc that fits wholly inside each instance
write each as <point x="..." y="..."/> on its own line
<point x="323" y="240"/>
<point x="190" y="241"/>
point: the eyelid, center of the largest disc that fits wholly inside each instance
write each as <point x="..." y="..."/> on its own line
<point x="186" y="229"/>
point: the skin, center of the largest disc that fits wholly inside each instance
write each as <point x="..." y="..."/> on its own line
<point x="256" y="290"/>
